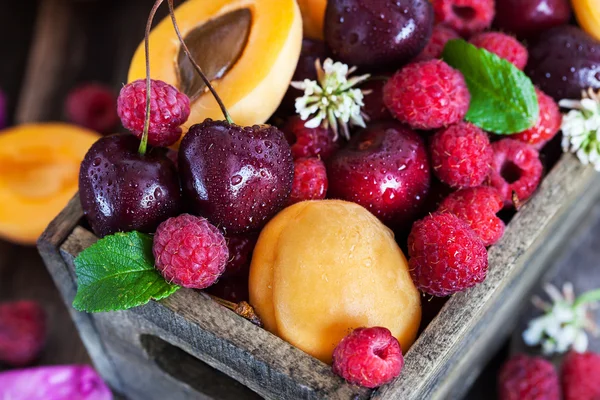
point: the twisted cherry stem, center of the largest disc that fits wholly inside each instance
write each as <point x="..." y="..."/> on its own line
<point x="195" y="64"/>
<point x="144" y="142"/>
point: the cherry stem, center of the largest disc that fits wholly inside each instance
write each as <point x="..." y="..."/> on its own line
<point x="144" y="141"/>
<point x="195" y="64"/>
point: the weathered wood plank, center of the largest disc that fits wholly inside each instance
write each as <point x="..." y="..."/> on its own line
<point x="256" y="358"/>
<point x="452" y="340"/>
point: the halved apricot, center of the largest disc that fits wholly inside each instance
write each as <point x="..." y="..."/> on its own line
<point x="313" y="17"/>
<point x="323" y="268"/>
<point x="248" y="49"/>
<point x="39" y="169"/>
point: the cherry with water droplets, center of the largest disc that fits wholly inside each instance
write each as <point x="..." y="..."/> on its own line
<point x="122" y="190"/>
<point x="237" y="177"/>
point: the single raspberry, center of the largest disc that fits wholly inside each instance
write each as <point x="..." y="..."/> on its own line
<point x="3" y="110"/>
<point x="516" y="170"/>
<point x="368" y="357"/>
<point x="93" y="106"/>
<point x="240" y="248"/>
<point x="435" y="47"/>
<point x="234" y="289"/>
<point x="461" y="155"/>
<point x="374" y="108"/>
<point x="22" y="332"/>
<point x="548" y="124"/>
<point x="528" y="378"/>
<point x="190" y="252"/>
<point x="478" y="207"/>
<point x="169" y="109"/>
<point x="310" y="180"/>
<point x="465" y="16"/>
<point x="446" y="256"/>
<point x="581" y="376"/>
<point x="427" y="95"/>
<point x="504" y="46"/>
<point x="309" y="142"/>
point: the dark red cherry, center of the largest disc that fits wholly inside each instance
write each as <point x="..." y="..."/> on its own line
<point x="237" y="177"/>
<point x="377" y="34"/>
<point x="385" y="169"/>
<point x="530" y="18"/>
<point x="121" y="190"/>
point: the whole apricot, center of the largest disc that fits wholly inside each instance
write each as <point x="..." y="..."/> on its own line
<point x="322" y="268"/>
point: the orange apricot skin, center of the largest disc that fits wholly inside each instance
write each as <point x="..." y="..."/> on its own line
<point x="254" y="87"/>
<point x="313" y="18"/>
<point x="323" y="268"/>
<point x="39" y="169"/>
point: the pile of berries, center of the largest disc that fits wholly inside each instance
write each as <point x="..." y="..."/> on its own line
<point x="528" y="378"/>
<point x="232" y="180"/>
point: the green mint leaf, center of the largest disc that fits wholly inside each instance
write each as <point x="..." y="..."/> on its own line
<point x="503" y="99"/>
<point x="117" y="273"/>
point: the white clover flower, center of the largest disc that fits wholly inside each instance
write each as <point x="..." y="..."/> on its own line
<point x="564" y="324"/>
<point x="581" y="128"/>
<point x="333" y="99"/>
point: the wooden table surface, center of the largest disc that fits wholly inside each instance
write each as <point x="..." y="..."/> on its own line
<point x="95" y="43"/>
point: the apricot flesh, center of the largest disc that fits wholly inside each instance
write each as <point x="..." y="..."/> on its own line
<point x="39" y="169"/>
<point x="323" y="268"/>
<point x="253" y="87"/>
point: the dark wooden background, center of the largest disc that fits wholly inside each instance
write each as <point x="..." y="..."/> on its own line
<point x="49" y="46"/>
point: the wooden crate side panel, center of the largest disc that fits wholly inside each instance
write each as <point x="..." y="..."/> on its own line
<point x="261" y="361"/>
<point x="444" y="343"/>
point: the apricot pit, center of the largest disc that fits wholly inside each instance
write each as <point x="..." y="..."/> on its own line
<point x="247" y="48"/>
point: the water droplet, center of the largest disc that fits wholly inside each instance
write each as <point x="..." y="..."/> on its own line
<point x="236" y="180"/>
<point x="97" y="161"/>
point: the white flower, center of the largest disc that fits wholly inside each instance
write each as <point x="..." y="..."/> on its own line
<point x="564" y="324"/>
<point x="581" y="128"/>
<point x="333" y="99"/>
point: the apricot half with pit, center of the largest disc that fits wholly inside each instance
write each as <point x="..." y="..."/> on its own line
<point x="247" y="48"/>
<point x="323" y="268"/>
<point x="39" y="169"/>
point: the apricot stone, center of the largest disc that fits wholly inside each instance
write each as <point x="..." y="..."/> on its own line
<point x="323" y="268"/>
<point x="248" y="49"/>
<point x="39" y="170"/>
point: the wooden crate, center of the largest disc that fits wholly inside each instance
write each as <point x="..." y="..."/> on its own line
<point x="188" y="347"/>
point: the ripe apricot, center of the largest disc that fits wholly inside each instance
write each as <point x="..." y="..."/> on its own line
<point x="313" y="17"/>
<point x="323" y="268"/>
<point x="588" y="16"/>
<point x="39" y="168"/>
<point x="248" y="49"/>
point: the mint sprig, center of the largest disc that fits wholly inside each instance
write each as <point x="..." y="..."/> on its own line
<point x="503" y="98"/>
<point x="117" y="273"/>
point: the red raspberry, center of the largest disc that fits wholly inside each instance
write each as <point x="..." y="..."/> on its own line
<point x="310" y="180"/>
<point x="548" y="124"/>
<point x="190" y="252"/>
<point x="446" y="256"/>
<point x="504" y="46"/>
<point x="478" y="207"/>
<point x="435" y="47"/>
<point x="309" y="142"/>
<point x="368" y="357"/>
<point x="427" y="95"/>
<point x="516" y="169"/>
<point x="528" y="378"/>
<point x="461" y="155"/>
<point x="374" y="107"/>
<point x="465" y="16"/>
<point x="240" y="248"/>
<point x="169" y="109"/>
<point x="93" y="106"/>
<point x="22" y="332"/>
<point x="581" y="376"/>
<point x="3" y="110"/>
